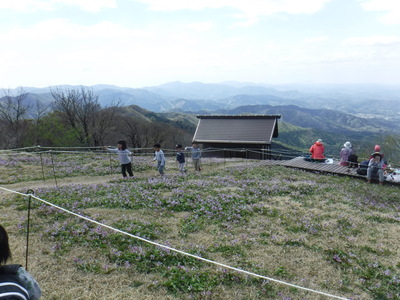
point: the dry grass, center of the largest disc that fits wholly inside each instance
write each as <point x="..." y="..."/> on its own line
<point x="291" y="235"/>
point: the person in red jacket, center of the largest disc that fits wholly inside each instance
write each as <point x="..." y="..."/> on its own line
<point x="317" y="151"/>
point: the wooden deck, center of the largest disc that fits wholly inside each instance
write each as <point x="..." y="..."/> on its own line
<point x="318" y="167"/>
<point x="300" y="163"/>
<point x="334" y="168"/>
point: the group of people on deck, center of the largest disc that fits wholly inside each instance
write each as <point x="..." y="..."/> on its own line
<point x="376" y="163"/>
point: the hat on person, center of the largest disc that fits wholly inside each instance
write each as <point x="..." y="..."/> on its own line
<point x="319" y="140"/>
<point x="178" y="146"/>
<point x="347" y="145"/>
<point x="376" y="154"/>
<point x="377" y="148"/>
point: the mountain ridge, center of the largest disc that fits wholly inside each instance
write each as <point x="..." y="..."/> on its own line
<point x="352" y="112"/>
<point x="346" y="98"/>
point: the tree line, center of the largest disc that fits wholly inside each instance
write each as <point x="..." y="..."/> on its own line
<point x="75" y="118"/>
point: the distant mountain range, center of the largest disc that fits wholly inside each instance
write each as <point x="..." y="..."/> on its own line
<point x="298" y="127"/>
<point x="322" y="119"/>
<point x="360" y="100"/>
<point x="339" y="112"/>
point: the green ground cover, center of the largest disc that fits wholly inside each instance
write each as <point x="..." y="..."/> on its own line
<point x="333" y="234"/>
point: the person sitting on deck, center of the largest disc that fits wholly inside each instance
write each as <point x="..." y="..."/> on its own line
<point x="375" y="168"/>
<point x="377" y="149"/>
<point x="317" y="151"/>
<point x="345" y="153"/>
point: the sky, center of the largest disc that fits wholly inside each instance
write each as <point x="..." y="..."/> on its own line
<point x="139" y="43"/>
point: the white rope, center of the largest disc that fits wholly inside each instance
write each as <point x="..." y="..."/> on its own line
<point x="175" y="250"/>
<point x="285" y="154"/>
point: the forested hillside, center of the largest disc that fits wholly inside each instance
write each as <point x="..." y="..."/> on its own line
<point x="300" y="127"/>
<point x="75" y="116"/>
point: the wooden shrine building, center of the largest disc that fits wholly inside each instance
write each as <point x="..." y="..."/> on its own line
<point x="246" y="136"/>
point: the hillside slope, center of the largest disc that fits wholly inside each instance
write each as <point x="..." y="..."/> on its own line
<point x="321" y="119"/>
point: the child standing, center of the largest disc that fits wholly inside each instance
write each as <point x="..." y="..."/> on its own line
<point x="124" y="158"/>
<point x="180" y="158"/>
<point x="196" y="156"/>
<point x="160" y="158"/>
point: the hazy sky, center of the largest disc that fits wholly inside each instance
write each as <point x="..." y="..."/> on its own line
<point x="136" y="43"/>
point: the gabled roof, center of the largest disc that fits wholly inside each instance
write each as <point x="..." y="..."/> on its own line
<point x="251" y="129"/>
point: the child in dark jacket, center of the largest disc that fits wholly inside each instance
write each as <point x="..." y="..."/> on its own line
<point x="180" y="159"/>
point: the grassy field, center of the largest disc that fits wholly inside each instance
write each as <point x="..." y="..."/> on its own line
<point x="332" y="234"/>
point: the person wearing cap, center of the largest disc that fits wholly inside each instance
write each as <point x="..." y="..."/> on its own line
<point x="375" y="167"/>
<point x="345" y="153"/>
<point x="377" y="149"/>
<point x="317" y="151"/>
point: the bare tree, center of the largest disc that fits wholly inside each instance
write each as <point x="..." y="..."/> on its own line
<point x="102" y="123"/>
<point x="87" y="110"/>
<point x="79" y="107"/>
<point x="84" y="115"/>
<point x="39" y="111"/>
<point x="131" y="128"/>
<point x="66" y="103"/>
<point x="13" y="112"/>
<point x="159" y="132"/>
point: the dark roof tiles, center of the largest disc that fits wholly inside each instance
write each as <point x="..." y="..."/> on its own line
<point x="236" y="129"/>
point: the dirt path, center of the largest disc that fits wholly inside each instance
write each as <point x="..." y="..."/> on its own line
<point x="34" y="185"/>
<point x="85" y="180"/>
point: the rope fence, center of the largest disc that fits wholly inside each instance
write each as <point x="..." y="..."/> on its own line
<point x="30" y="195"/>
<point x="278" y="154"/>
<point x="224" y="153"/>
<point x="56" y="163"/>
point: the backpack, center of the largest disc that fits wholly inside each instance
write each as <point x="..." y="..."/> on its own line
<point x="10" y="286"/>
<point x="353" y="161"/>
<point x="362" y="168"/>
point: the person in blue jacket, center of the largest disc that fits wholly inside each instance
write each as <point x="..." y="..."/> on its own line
<point x="196" y="156"/>
<point x="15" y="281"/>
<point x="160" y="158"/>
